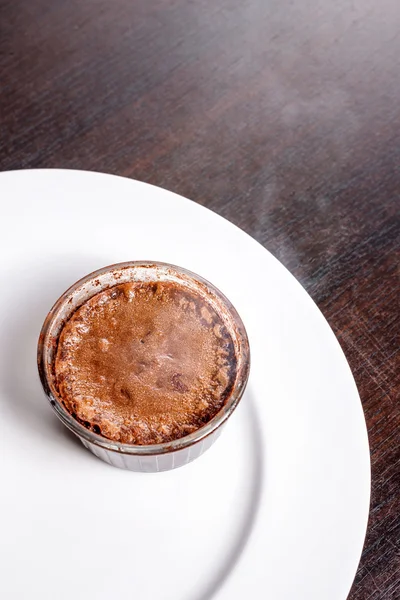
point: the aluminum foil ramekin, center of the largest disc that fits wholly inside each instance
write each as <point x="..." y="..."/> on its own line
<point x="156" y="457"/>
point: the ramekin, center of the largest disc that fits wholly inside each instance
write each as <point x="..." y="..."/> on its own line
<point x="156" y="457"/>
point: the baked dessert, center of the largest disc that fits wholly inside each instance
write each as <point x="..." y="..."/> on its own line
<point x="145" y="362"/>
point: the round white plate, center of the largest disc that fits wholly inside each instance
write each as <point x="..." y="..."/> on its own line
<point x="276" y="509"/>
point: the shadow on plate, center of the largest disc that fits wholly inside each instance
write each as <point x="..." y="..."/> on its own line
<point x="254" y="496"/>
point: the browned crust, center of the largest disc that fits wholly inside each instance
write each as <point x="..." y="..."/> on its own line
<point x="145" y="363"/>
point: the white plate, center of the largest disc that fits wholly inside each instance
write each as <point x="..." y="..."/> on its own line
<point x="276" y="509"/>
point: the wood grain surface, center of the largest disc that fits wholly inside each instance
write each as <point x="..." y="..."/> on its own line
<point x="281" y="115"/>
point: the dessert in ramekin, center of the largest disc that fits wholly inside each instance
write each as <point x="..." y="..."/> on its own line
<point x="144" y="362"/>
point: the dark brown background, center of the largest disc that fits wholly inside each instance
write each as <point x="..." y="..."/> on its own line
<point x="281" y="115"/>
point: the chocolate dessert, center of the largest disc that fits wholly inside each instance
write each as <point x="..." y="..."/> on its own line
<point x="144" y="362"/>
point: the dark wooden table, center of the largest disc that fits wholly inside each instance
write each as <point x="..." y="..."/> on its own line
<point x="281" y="115"/>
